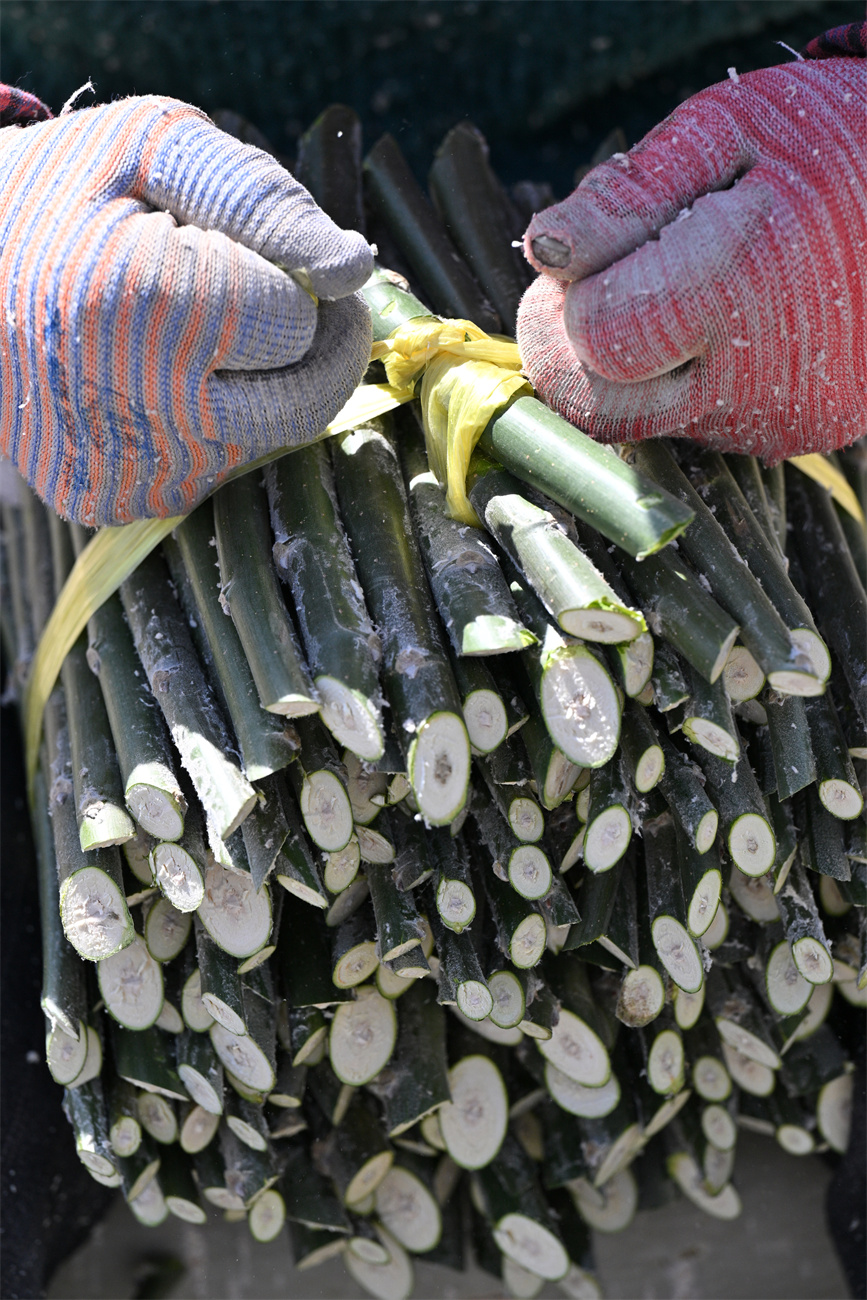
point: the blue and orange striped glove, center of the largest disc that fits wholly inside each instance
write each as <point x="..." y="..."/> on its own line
<point x="149" y="344"/>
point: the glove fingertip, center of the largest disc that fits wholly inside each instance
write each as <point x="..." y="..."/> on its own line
<point x="344" y="264"/>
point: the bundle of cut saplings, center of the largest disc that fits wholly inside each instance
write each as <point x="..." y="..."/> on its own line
<point x="426" y="887"/>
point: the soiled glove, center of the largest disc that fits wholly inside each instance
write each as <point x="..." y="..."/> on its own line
<point x="148" y="343"/>
<point x="712" y="282"/>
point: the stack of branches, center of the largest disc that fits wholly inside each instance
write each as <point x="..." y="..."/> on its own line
<point x="431" y="888"/>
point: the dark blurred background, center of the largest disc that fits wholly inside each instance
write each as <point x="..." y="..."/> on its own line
<point x="545" y="80"/>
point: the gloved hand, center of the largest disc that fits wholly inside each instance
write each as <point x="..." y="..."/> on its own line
<point x="149" y="343"/>
<point x="712" y="282"/>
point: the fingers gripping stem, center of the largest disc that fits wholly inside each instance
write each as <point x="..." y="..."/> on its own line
<point x="246" y="194"/>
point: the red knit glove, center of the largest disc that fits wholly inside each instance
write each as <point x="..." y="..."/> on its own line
<point x="712" y="283"/>
<point x="148" y="343"/>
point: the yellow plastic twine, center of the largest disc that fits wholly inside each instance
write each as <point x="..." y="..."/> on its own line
<point x="467" y="376"/>
<point x="830" y="478"/>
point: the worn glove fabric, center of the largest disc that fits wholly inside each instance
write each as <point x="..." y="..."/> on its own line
<point x="148" y="343"/>
<point x="712" y="282"/>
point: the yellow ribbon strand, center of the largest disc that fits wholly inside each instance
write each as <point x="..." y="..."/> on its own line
<point x="107" y="561"/>
<point x="412" y="346"/>
<point x="458" y="399"/>
<point x="468" y="376"/>
<point x="822" y="470"/>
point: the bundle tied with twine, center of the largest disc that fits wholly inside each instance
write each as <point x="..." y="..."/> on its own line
<point x="467" y="376"/>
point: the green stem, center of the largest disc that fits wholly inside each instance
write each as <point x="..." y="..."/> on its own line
<point x="252" y="593"/>
<point x="312" y="557"/>
<point x="471" y="594"/>
<point x="396" y="197"/>
<point x="263" y="739"/>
